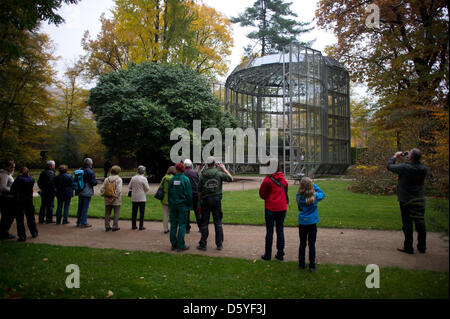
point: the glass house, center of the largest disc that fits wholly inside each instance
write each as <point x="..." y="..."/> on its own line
<point x="306" y="96"/>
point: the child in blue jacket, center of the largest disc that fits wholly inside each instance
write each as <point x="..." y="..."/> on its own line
<point x="308" y="196"/>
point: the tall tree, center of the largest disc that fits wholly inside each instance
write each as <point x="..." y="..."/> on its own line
<point x="404" y="60"/>
<point x="162" y="31"/>
<point x="25" y="98"/>
<point x="136" y="109"/>
<point x="19" y="16"/>
<point x="106" y="53"/>
<point x="275" y="25"/>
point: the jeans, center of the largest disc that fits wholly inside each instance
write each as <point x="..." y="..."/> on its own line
<point x="414" y="214"/>
<point x="134" y="210"/>
<point x="274" y="219"/>
<point x="83" y="206"/>
<point x="177" y="226"/>
<point x="25" y="209"/>
<point x="308" y="234"/>
<point x="62" y="202"/>
<point x="211" y="205"/>
<point x="46" y="210"/>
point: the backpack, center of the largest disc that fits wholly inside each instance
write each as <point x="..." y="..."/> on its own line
<point x="78" y="181"/>
<point x="109" y="189"/>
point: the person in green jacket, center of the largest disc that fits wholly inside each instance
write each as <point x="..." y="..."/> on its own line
<point x="180" y="201"/>
<point x="210" y="199"/>
<point x="165" y="201"/>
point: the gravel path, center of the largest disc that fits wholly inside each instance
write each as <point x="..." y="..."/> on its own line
<point x="337" y="246"/>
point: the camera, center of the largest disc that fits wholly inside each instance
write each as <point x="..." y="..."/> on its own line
<point x="404" y="154"/>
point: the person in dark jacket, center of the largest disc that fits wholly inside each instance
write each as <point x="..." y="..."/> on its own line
<point x="48" y="191"/>
<point x="64" y="193"/>
<point x="210" y="199"/>
<point x="22" y="190"/>
<point x="194" y="179"/>
<point x="85" y="195"/>
<point x="410" y="194"/>
<point x="272" y="190"/>
<point x="180" y="201"/>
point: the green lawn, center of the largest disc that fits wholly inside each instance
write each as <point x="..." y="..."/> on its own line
<point x="340" y="208"/>
<point x="38" y="271"/>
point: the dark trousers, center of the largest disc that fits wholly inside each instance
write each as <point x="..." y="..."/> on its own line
<point x="46" y="210"/>
<point x="307" y="234"/>
<point x="211" y="205"/>
<point x="7" y="218"/>
<point x="413" y="213"/>
<point x="62" y="203"/>
<point x="134" y="210"/>
<point x="274" y="219"/>
<point x="25" y="209"/>
<point x="188" y="213"/>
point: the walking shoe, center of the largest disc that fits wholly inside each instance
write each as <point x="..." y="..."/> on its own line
<point x="133" y="227"/>
<point x="108" y="229"/>
<point x="116" y="229"/>
<point x="166" y="231"/>
<point x="183" y="249"/>
<point x="22" y="238"/>
<point x="174" y="248"/>
<point x="199" y="247"/>
<point x="264" y="257"/>
<point x="301" y="266"/>
<point x="34" y="235"/>
<point x="403" y="250"/>
<point x="85" y="225"/>
<point x="279" y="257"/>
<point x="422" y="251"/>
<point x="142" y="228"/>
<point x="220" y="247"/>
<point x="312" y="269"/>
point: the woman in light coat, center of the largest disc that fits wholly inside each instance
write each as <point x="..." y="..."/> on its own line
<point x="165" y="201"/>
<point x="138" y="187"/>
<point x="114" y="201"/>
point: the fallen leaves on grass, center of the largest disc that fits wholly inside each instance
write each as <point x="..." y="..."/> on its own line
<point x="110" y="294"/>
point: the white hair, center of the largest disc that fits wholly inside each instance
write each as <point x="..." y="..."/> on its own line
<point x="50" y="164"/>
<point x="141" y="169"/>
<point x="88" y="161"/>
<point x="187" y="162"/>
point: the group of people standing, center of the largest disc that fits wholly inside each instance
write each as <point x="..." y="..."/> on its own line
<point x="186" y="190"/>
<point x="183" y="190"/>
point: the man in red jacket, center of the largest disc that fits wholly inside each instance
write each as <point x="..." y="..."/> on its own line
<point x="274" y="192"/>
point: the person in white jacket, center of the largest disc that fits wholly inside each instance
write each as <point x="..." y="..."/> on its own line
<point x="139" y="188"/>
<point x="6" y="200"/>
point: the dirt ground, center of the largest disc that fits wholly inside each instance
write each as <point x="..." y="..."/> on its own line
<point x="336" y="246"/>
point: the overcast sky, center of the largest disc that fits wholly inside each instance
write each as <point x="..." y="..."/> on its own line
<point x="85" y="16"/>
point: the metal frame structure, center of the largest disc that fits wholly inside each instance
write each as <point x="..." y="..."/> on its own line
<point x="304" y="94"/>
